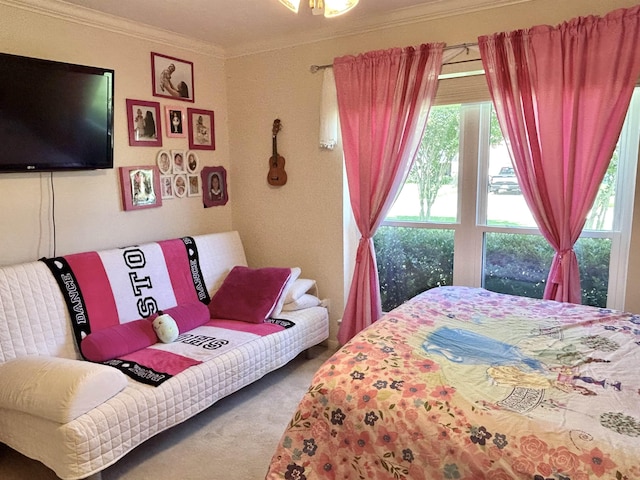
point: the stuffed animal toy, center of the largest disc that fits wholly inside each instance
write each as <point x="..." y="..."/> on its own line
<point x="166" y="327"/>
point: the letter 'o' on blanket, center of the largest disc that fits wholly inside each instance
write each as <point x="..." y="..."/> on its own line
<point x="112" y="287"/>
<point x="109" y="293"/>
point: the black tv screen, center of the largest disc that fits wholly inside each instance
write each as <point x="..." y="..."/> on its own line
<point x="54" y="116"/>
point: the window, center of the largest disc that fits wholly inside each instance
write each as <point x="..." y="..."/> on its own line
<point x="461" y="219"/>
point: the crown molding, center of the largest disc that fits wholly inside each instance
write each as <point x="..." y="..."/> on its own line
<point x="104" y="21"/>
<point x="434" y="10"/>
<point x="430" y="10"/>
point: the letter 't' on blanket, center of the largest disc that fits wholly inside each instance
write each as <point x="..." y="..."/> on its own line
<point x="248" y="294"/>
<point x="111" y="287"/>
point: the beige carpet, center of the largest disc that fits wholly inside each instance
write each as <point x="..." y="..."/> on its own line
<point x="232" y="440"/>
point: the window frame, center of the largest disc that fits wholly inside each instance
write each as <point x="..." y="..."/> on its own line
<point x="471" y="222"/>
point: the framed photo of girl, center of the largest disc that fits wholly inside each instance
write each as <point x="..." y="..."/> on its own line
<point x="172" y="77"/>
<point x="214" y="186"/>
<point x="145" y="124"/>
<point x="140" y="187"/>
<point x="201" y="129"/>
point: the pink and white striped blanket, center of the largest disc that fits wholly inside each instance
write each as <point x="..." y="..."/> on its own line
<point x="103" y="289"/>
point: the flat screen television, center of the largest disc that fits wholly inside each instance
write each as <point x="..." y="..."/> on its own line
<point x="54" y="116"/>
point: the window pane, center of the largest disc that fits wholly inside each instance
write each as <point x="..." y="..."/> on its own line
<point x="506" y="205"/>
<point x="518" y="264"/>
<point x="601" y="215"/>
<point x="418" y="255"/>
<point x="412" y="260"/>
<point x="593" y="261"/>
<point x="430" y="193"/>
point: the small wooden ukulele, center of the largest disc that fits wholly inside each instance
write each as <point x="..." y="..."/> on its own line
<point x="276" y="176"/>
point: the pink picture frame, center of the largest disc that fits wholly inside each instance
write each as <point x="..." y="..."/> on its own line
<point x="172" y="77"/>
<point x="144" y="123"/>
<point x="201" y="129"/>
<point x="140" y="187"/>
<point x="214" y="186"/>
<point x="175" y="118"/>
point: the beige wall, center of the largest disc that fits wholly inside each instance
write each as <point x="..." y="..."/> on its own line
<point x="302" y="222"/>
<point x="299" y="224"/>
<point x="88" y="211"/>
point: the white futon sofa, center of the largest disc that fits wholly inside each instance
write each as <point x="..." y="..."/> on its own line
<point x="78" y="416"/>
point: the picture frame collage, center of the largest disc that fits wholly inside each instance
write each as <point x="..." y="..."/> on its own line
<point x="179" y="173"/>
<point x="171" y="78"/>
<point x="176" y="173"/>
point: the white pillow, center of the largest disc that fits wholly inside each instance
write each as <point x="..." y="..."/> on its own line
<point x="295" y="273"/>
<point x="299" y="288"/>
<point x="304" y="301"/>
<point x="57" y="389"/>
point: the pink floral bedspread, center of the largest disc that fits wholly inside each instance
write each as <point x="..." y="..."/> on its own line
<point x="462" y="383"/>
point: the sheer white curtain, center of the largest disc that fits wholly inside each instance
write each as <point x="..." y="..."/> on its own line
<point x="328" y="111"/>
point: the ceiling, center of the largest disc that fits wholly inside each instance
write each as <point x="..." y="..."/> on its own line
<point x="238" y="27"/>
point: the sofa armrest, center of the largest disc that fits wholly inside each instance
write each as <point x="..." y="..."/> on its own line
<point x="57" y="389"/>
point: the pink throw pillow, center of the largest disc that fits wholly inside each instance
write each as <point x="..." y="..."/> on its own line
<point x="249" y="294"/>
<point x="125" y="338"/>
<point x="187" y="316"/>
<point x="118" y="340"/>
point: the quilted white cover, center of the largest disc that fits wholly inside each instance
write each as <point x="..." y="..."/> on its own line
<point x="34" y="321"/>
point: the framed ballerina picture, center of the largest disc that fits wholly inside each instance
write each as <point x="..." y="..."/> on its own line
<point x="175" y="121"/>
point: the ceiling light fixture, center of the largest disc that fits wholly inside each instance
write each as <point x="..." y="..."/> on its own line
<point x="328" y="8"/>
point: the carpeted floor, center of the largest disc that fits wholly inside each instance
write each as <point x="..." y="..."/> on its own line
<point x="232" y="440"/>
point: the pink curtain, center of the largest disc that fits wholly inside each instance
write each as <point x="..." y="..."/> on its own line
<point x="561" y="95"/>
<point x="384" y="99"/>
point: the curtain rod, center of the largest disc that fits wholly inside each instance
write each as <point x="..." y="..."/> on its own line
<point x="315" y="68"/>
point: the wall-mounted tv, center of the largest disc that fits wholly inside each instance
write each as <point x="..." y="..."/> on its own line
<point x="54" y="116"/>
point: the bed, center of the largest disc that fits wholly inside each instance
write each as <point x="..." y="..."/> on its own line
<point x="463" y="383"/>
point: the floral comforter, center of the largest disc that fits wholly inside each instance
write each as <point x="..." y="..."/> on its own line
<point x="463" y="383"/>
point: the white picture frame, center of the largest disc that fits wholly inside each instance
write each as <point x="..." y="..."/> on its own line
<point x="180" y="185"/>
